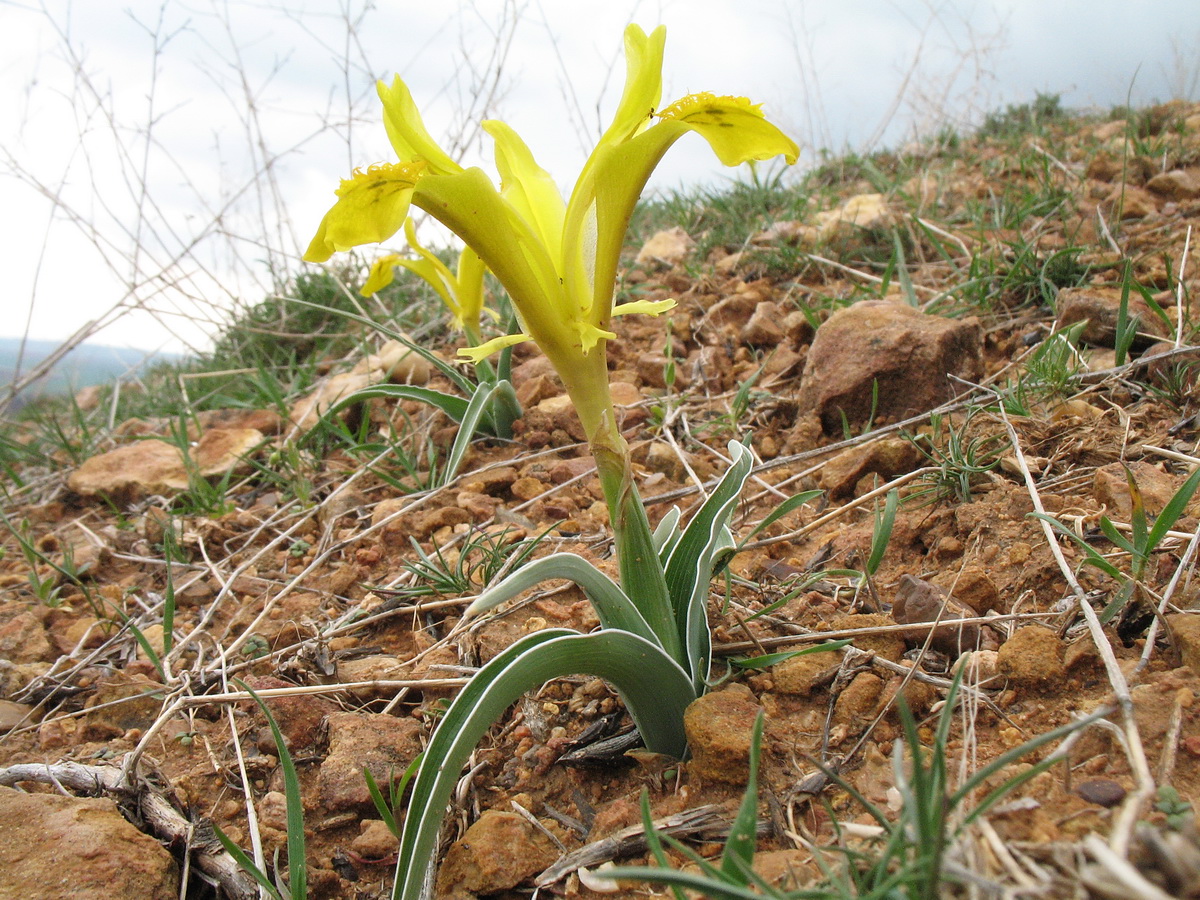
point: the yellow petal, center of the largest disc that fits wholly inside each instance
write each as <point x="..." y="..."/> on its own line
<point x="590" y="336"/>
<point x="644" y="307"/>
<point x="734" y="127"/>
<point x="434" y="271"/>
<point x="407" y="131"/>
<point x="371" y="207"/>
<point x="527" y="186"/>
<point x="487" y="348"/>
<point x="643" y="83"/>
<point x="433" y="277"/>
<point x="470" y="285"/>
<point x="381" y="275"/>
<point x="470" y="206"/>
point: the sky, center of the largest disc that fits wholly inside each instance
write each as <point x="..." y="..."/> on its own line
<point x="164" y="162"/>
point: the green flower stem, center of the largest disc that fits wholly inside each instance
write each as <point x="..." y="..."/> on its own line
<point x="642" y="575"/>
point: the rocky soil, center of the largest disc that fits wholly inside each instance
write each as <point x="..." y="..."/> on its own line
<point x="849" y="375"/>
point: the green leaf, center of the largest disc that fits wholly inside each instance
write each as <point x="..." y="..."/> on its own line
<point x="382" y="805"/>
<point x="1118" y="539"/>
<point x="297" y="854"/>
<point x="1094" y="557"/>
<point x="452" y="405"/>
<point x="705" y="886"/>
<point x="1117" y="603"/>
<point x="738" y="855"/>
<point x="667" y="533"/>
<point x="770" y="659"/>
<point x="481" y="401"/>
<point x="654" y="688"/>
<point x="882" y="534"/>
<point x="246" y="864"/>
<point x="642" y="577"/>
<point x="1173" y="510"/>
<point x="782" y="510"/>
<point x="690" y="565"/>
<point x="1137" y="515"/>
<point x="612" y="604"/>
<point x="979" y="778"/>
<point x="654" y="842"/>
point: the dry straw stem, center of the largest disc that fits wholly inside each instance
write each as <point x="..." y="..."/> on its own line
<point x="1131" y="810"/>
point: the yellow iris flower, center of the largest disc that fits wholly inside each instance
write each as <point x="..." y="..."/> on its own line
<point x="558" y="261"/>
<point x="461" y="291"/>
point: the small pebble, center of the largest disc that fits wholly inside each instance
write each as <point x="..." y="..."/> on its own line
<point x="1102" y="792"/>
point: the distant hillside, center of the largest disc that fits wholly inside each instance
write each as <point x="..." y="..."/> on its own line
<point x="84" y="365"/>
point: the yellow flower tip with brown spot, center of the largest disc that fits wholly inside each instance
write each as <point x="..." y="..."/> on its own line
<point x="734" y="127"/>
<point x="706" y="103"/>
<point x="372" y="205"/>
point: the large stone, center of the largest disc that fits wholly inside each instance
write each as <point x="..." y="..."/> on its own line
<point x="887" y="458"/>
<point x="1178" y="184"/>
<point x="1110" y="487"/>
<point x="1032" y="658"/>
<point x="157" y="467"/>
<point x="1126" y="201"/>
<point x="666" y="247"/>
<point x="908" y="354"/>
<point x="54" y="847"/>
<point x="308" y="410"/>
<point x="918" y="602"/>
<point x="23" y="639"/>
<point x="719" y="727"/>
<point x="498" y="852"/>
<point x="1100" y="307"/>
<point x="385" y="744"/>
<point x="1185" y="630"/>
<point x="396" y="362"/>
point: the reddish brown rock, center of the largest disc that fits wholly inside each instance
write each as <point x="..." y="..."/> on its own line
<point x="973" y="586"/>
<point x="764" y="328"/>
<point x="1185" y="631"/>
<point x="886" y="458"/>
<point x="719" y="727"/>
<point x="1178" y="184"/>
<point x="300" y="717"/>
<point x="23" y="639"/>
<point x="1110" y="487"/>
<point x="384" y="744"/>
<point x="804" y="674"/>
<point x="886" y="644"/>
<point x="498" y="852"/>
<point x="375" y="840"/>
<point x="1126" y="201"/>
<point x="1175" y="373"/>
<point x="268" y="421"/>
<point x="157" y="467"/>
<point x="1032" y="657"/>
<point x="908" y="354"/>
<point x="65" y="848"/>
<point x="14" y="715"/>
<point x="494" y="482"/>
<point x="308" y="410"/>
<point x="1100" y="306"/>
<point x="396" y="362"/>
<point x="666" y="248"/>
<point x="88" y="398"/>
<point x="856" y="705"/>
<point x="120" y="703"/>
<point x="920" y="601"/>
